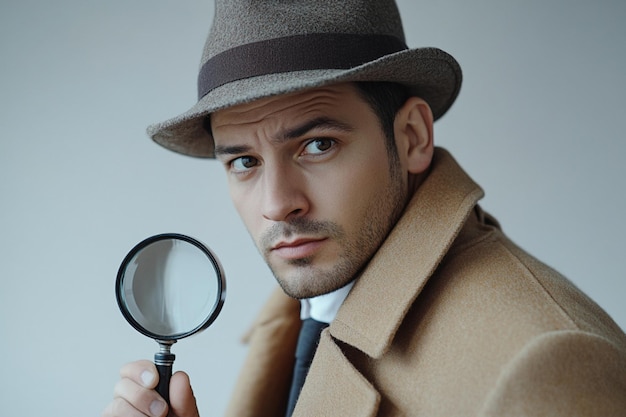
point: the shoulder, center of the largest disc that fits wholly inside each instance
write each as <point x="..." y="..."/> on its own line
<point x="489" y="267"/>
<point x="562" y="373"/>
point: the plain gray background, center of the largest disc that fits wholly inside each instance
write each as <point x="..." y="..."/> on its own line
<point x="539" y="124"/>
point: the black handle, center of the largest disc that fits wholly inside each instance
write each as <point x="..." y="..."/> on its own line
<point x="164" y="362"/>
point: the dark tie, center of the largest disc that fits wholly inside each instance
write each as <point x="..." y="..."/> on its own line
<point x="307" y="344"/>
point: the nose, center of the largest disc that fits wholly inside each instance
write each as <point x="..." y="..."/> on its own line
<point x="283" y="194"/>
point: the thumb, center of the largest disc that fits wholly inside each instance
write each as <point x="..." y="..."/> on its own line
<point x="182" y="400"/>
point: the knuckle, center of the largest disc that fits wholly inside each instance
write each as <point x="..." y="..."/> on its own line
<point x="117" y="408"/>
<point x="130" y="396"/>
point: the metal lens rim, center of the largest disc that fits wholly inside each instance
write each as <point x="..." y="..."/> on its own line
<point x="221" y="286"/>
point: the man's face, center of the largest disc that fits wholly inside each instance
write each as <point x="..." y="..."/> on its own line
<point x="312" y="180"/>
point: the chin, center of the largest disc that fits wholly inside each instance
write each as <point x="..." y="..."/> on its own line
<point x="296" y="291"/>
<point x="305" y="281"/>
<point x="300" y="290"/>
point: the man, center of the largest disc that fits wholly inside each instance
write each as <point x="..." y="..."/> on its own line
<point x="323" y="120"/>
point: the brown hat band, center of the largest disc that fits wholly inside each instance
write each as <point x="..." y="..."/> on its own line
<point x="294" y="53"/>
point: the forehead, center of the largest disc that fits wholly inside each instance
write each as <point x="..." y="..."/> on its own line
<point x="286" y="107"/>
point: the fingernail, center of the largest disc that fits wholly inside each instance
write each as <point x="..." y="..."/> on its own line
<point x="157" y="407"/>
<point x="147" y="378"/>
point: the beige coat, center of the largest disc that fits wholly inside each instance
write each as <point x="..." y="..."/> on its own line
<point x="449" y="318"/>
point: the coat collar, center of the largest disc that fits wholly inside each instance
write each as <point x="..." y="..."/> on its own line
<point x="397" y="273"/>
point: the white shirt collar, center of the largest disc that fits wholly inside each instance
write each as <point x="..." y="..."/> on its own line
<point x="324" y="307"/>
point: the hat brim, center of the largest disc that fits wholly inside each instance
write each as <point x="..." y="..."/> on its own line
<point x="431" y="73"/>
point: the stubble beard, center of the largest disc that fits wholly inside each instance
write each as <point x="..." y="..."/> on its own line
<point x="356" y="251"/>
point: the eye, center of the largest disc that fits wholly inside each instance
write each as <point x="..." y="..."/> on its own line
<point x="318" y="146"/>
<point x="243" y="163"/>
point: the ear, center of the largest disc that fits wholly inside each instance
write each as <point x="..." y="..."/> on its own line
<point x="413" y="128"/>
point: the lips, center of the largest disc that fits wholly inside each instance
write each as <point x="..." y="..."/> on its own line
<point x="297" y="249"/>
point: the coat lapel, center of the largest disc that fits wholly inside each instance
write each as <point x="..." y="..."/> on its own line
<point x="334" y="387"/>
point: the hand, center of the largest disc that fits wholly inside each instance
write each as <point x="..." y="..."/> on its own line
<point x="134" y="394"/>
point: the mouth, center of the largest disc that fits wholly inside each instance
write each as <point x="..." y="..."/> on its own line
<point x="297" y="249"/>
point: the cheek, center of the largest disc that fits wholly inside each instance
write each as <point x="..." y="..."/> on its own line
<point x="348" y="196"/>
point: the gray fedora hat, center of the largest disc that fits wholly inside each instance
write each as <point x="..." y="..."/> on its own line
<point x="262" y="48"/>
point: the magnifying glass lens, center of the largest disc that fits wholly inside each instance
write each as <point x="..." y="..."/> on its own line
<point x="166" y="289"/>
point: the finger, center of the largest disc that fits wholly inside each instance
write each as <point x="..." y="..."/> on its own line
<point x="121" y="408"/>
<point x="143" y="372"/>
<point x="182" y="400"/>
<point x="145" y="400"/>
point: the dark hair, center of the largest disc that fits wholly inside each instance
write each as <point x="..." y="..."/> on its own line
<point x="385" y="99"/>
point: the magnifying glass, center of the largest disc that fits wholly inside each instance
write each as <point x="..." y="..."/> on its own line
<point x="170" y="286"/>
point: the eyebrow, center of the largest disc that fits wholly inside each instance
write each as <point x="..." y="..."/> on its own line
<point x="230" y="150"/>
<point x="323" y="123"/>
